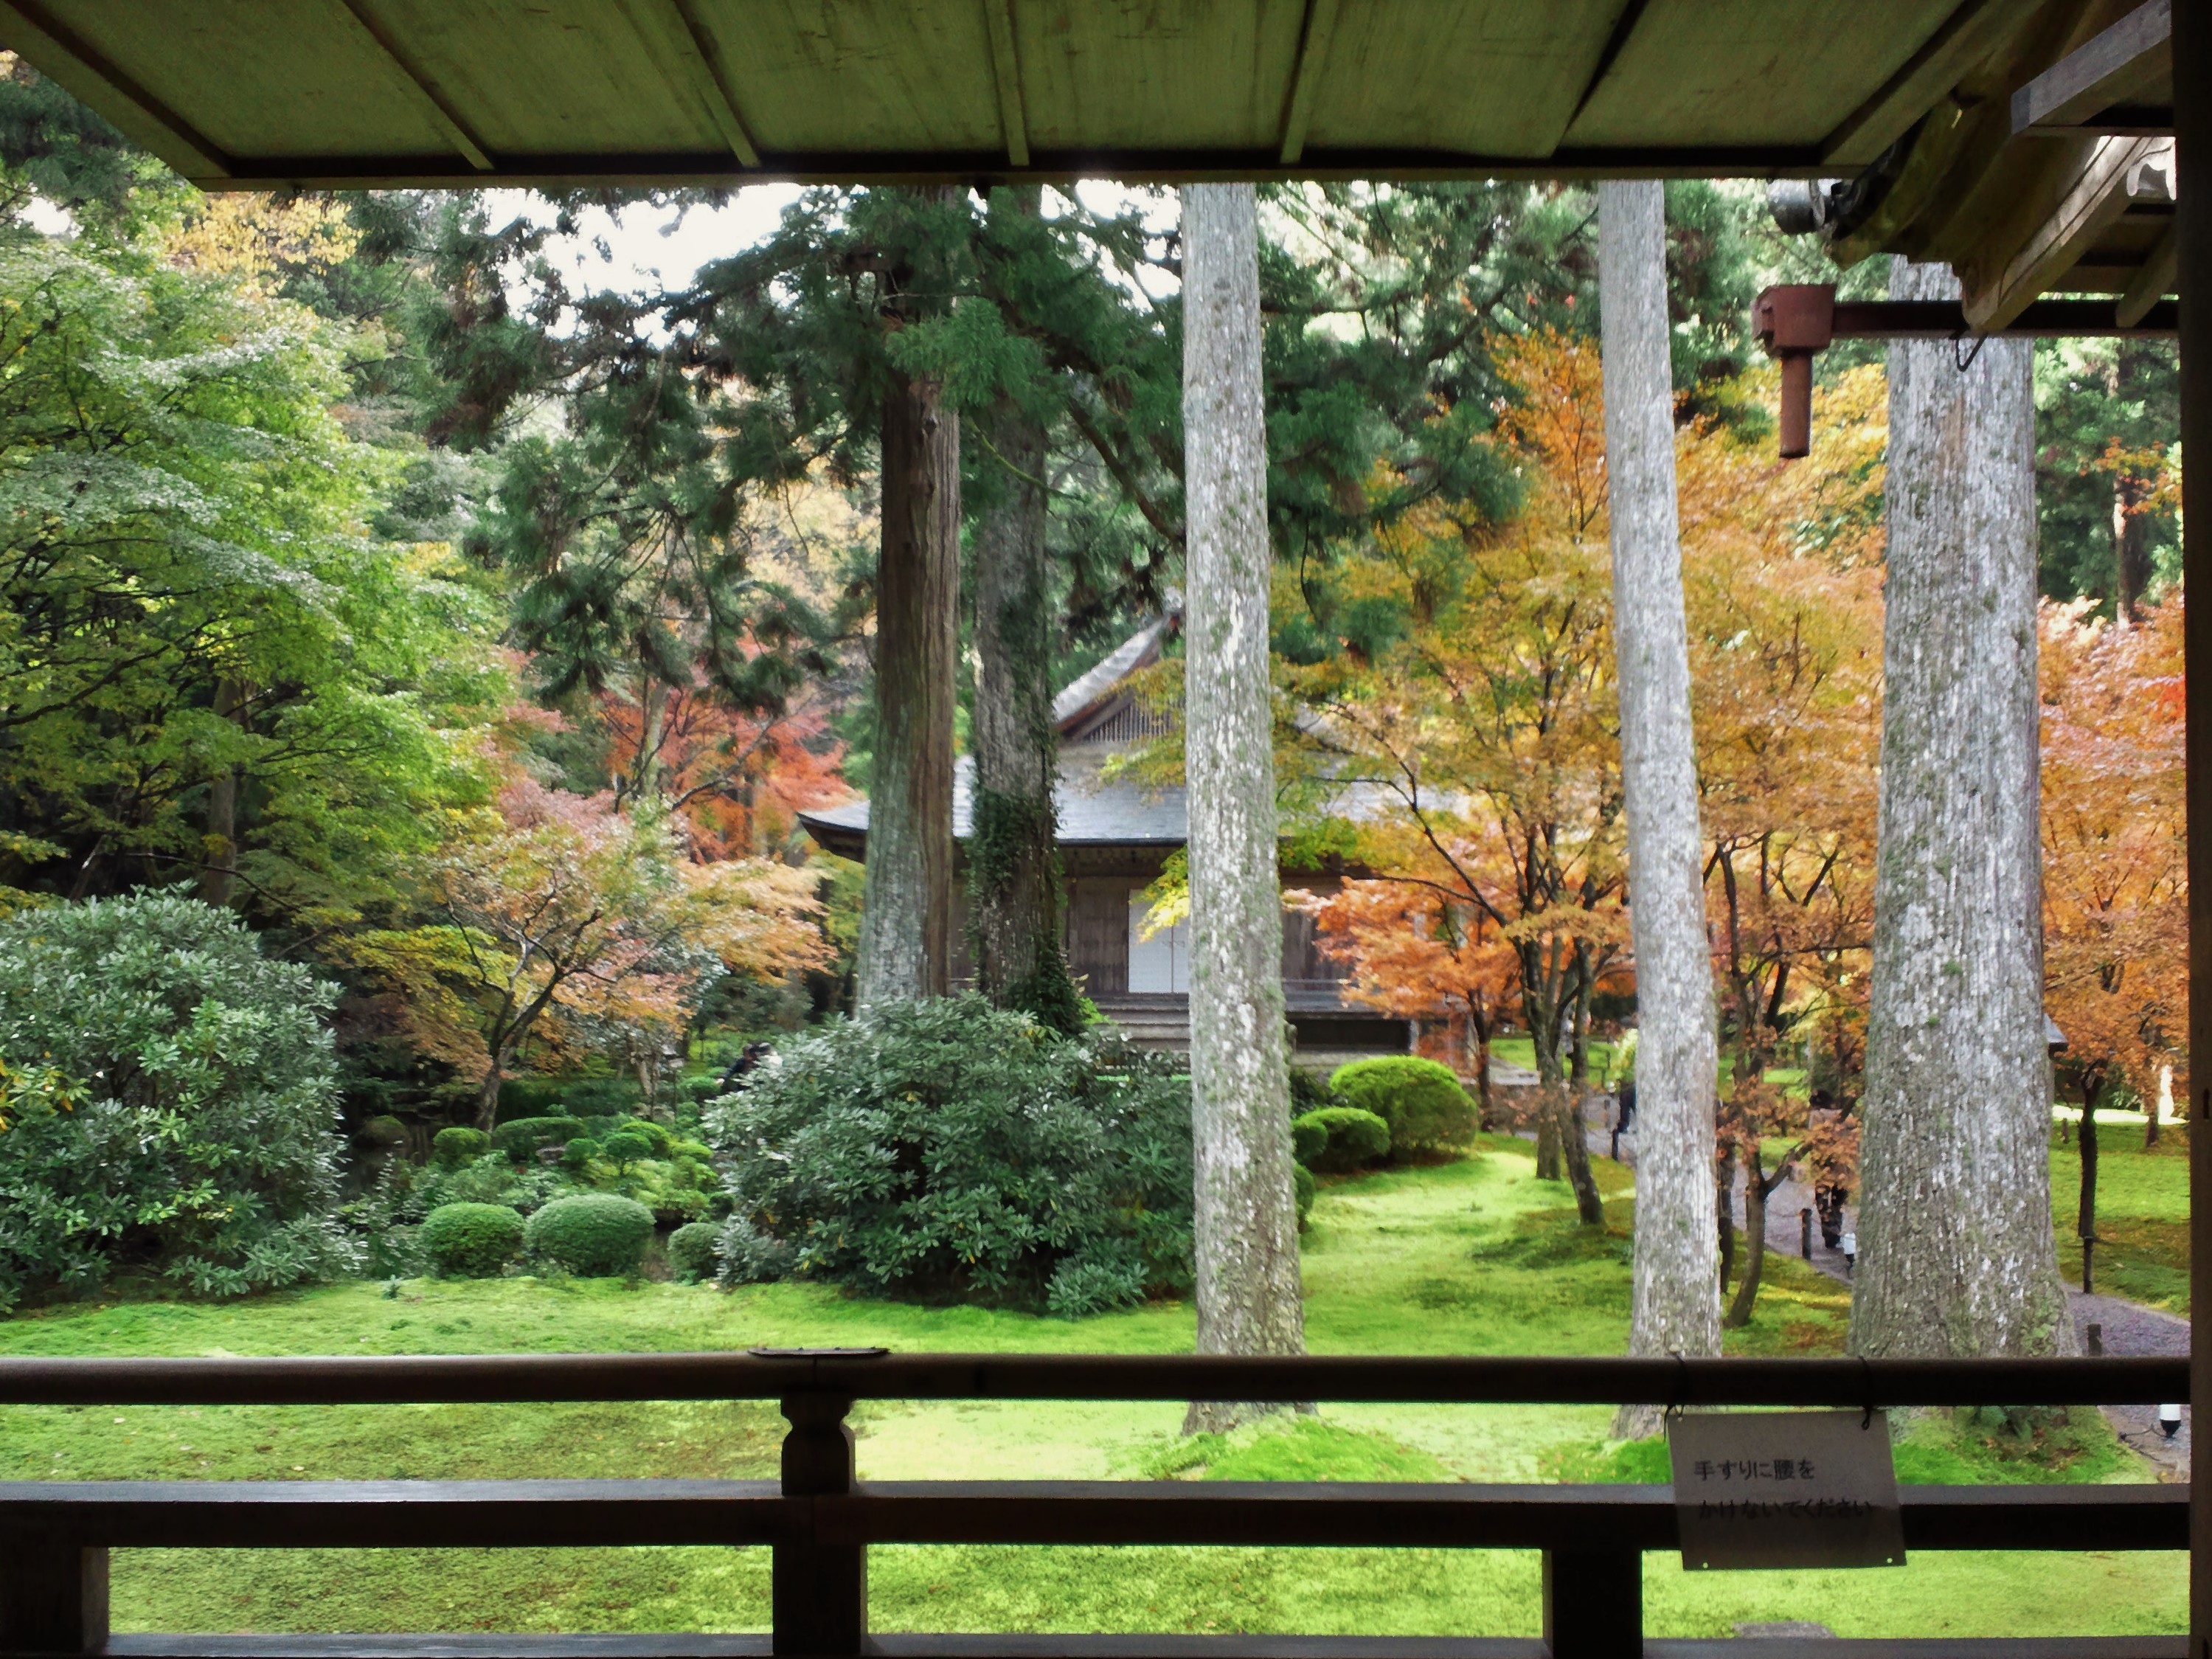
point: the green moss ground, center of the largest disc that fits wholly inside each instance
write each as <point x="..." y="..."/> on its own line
<point x="1473" y="1257"/>
<point x="2142" y="1212"/>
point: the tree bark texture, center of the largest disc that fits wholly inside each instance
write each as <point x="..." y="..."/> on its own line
<point x="1676" y="1307"/>
<point x="1574" y="1146"/>
<point x="1013" y="863"/>
<point x="1246" y="1223"/>
<point x="905" y="949"/>
<point x="1956" y="1257"/>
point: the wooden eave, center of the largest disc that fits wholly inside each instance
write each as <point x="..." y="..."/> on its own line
<point x="317" y="93"/>
<point x="2052" y="172"/>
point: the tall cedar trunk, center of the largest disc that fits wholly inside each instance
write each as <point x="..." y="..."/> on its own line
<point x="1013" y="867"/>
<point x="1676" y="1307"/>
<point x="1956" y="1257"/>
<point x="906" y="912"/>
<point x="1246" y="1223"/>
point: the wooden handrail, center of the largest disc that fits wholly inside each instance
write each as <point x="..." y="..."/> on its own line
<point x="425" y="1379"/>
<point x="819" y="1519"/>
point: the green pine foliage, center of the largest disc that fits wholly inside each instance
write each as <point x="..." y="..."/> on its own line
<point x="1427" y="1110"/>
<point x="472" y="1241"/>
<point x="951" y="1150"/>
<point x="1350" y="1139"/>
<point x="181" y="1121"/>
<point x="591" y="1235"/>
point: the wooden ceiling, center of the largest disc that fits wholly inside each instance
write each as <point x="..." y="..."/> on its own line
<point x="270" y="93"/>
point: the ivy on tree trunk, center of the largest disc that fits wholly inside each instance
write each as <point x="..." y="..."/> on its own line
<point x="1248" y="1288"/>
<point x="1956" y="1256"/>
<point x="1014" y="892"/>
<point x="1676" y="1305"/>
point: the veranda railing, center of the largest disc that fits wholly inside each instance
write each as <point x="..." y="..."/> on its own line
<point x="819" y="1519"/>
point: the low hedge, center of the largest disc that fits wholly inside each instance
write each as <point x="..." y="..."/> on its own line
<point x="1421" y="1101"/>
<point x="458" y="1146"/>
<point x="521" y="1139"/>
<point x="1303" y="1188"/>
<point x="471" y="1241"/>
<point x="593" y="1235"/>
<point x="691" y="1251"/>
<point x="1352" y="1139"/>
<point x="1309" y="1139"/>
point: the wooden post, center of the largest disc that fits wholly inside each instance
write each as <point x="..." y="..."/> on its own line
<point x="2192" y="126"/>
<point x="1594" y="1603"/>
<point x="53" y="1596"/>
<point x="818" y="1593"/>
<point x="1805" y="1234"/>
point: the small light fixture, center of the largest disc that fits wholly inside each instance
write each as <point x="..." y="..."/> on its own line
<point x="2169" y="1420"/>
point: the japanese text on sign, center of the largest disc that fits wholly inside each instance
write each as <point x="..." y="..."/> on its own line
<point x="1785" y="1489"/>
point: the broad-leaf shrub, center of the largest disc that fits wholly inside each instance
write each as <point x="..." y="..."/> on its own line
<point x="951" y="1149"/>
<point x="182" y="1116"/>
<point x="472" y="1241"/>
<point x="1309" y="1138"/>
<point x="1303" y="1188"/>
<point x="1422" y="1100"/>
<point x="593" y="1235"/>
<point x="1352" y="1138"/>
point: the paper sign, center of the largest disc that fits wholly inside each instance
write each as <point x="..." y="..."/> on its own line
<point x="1785" y="1489"/>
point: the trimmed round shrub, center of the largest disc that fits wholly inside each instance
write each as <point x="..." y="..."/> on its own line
<point x="593" y="1235"/>
<point x="949" y="1149"/>
<point x="458" y="1145"/>
<point x="1309" y="1139"/>
<point x="521" y="1139"/>
<point x="471" y="1241"/>
<point x="1422" y="1101"/>
<point x="691" y="1251"/>
<point x="1303" y="1188"/>
<point x="1353" y="1139"/>
<point x="579" y="1151"/>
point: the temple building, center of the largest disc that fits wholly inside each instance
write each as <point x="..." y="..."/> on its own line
<point x="1115" y="836"/>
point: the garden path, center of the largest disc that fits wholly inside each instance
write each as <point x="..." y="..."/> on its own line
<point x="2127" y="1329"/>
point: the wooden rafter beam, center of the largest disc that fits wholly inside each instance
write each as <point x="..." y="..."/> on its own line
<point x="1314" y="37"/>
<point x="2161" y="275"/>
<point x="1960" y="45"/>
<point x="1616" y="42"/>
<point x="670" y="27"/>
<point x="31" y="29"/>
<point x="435" y="100"/>
<point x="2101" y="86"/>
<point x="2115" y="175"/>
<point x="1006" y="76"/>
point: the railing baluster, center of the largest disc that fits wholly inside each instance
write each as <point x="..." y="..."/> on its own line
<point x="53" y="1596"/>
<point x="819" y="1594"/>
<point x="1594" y="1603"/>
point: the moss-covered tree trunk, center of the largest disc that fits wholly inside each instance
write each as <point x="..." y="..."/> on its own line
<point x="1014" y="892"/>
<point x="907" y="905"/>
<point x="1956" y="1256"/>
<point x="1246" y="1219"/>
<point x="1676" y="1299"/>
